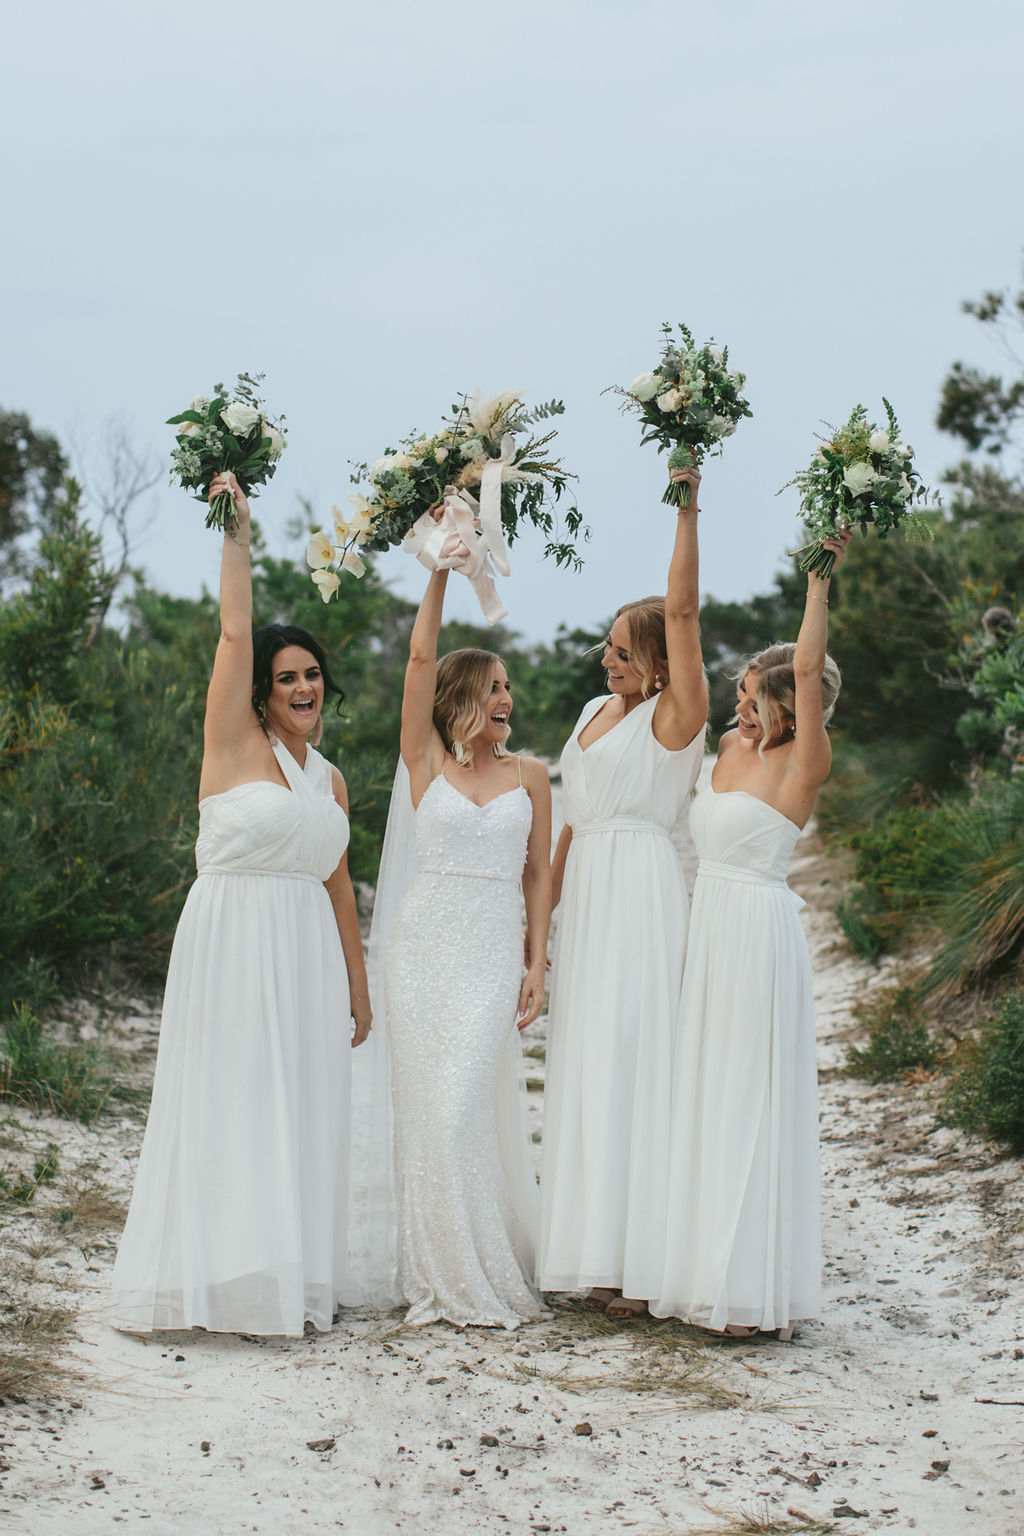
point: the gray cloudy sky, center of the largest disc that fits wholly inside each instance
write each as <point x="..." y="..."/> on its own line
<point x="382" y="205"/>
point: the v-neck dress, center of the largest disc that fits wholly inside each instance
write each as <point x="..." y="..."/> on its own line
<point x="466" y="1191"/>
<point x="618" y="966"/>
<point x="742" y="1211"/>
<point x="238" y="1215"/>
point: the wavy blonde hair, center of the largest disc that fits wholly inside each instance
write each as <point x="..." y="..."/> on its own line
<point x="463" y="687"/>
<point x="775" y="695"/>
<point x="645" y="625"/>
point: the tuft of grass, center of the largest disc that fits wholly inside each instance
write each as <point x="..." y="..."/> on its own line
<point x="762" y="1523"/>
<point x="986" y="1094"/>
<point x="41" y="1074"/>
<point x="21" y="1190"/>
<point x="898" y="1037"/>
<point x="87" y="1208"/>
<point x="32" y="1339"/>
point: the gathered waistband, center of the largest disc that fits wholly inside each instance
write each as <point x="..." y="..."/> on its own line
<point x="469" y="874"/>
<point x="621" y="824"/>
<point x="746" y="877"/>
<point x="267" y="874"/>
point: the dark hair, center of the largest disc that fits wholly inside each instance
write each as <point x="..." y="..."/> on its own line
<point x="266" y="643"/>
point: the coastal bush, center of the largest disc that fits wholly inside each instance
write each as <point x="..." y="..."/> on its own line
<point x="898" y="1037"/>
<point x="39" y="1073"/>
<point x="986" y="1094"/>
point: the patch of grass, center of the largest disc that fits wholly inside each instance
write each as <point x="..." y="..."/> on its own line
<point x="41" y="1074"/>
<point x="689" y="1375"/>
<point x="21" y="1189"/>
<point x="32" y="1339"/>
<point x="762" y="1523"/>
<point x="986" y="1094"/>
<point x="87" y="1208"/>
<point x="898" y="1038"/>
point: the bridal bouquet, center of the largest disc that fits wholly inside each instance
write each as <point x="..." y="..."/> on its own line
<point x="474" y="472"/>
<point x="221" y="433"/>
<point x="860" y="475"/>
<point x="689" y="404"/>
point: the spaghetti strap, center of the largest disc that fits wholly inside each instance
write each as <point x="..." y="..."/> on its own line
<point x="519" y="765"/>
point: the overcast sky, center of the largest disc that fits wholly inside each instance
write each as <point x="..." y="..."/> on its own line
<point x="380" y="206"/>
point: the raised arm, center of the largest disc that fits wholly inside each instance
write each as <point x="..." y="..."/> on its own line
<point x="421" y="745"/>
<point x="683" y="707"/>
<point x="229" y="723"/>
<point x="812" y="750"/>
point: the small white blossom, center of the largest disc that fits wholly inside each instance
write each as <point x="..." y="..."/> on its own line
<point x="201" y="403"/>
<point x="906" y="490"/>
<point x="878" y="442"/>
<point x="352" y="563"/>
<point x="319" y="552"/>
<point x="328" y="582"/>
<point x="276" y="440"/>
<point x="716" y="355"/>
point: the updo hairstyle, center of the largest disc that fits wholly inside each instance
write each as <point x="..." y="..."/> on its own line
<point x="776" y="692"/>
<point x="645" y="625"/>
<point x="461" y="696"/>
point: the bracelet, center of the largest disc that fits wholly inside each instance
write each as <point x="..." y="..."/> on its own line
<point x="242" y="544"/>
<point x="815" y="599"/>
<point x="681" y="510"/>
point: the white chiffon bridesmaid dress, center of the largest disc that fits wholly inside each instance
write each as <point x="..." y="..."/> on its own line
<point x="238" y="1215"/>
<point x="617" y="972"/>
<point x="742" y="1210"/>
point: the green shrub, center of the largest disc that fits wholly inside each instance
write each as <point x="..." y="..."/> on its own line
<point x="986" y="1094"/>
<point x="41" y="1074"/>
<point x="898" y="1038"/>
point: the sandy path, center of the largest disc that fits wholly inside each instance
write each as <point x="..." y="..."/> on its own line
<point x="900" y="1410"/>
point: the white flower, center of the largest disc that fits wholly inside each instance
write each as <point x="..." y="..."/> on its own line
<point x="239" y="418"/>
<point x="328" y="582"/>
<point x="276" y="440"/>
<point x="359" y="525"/>
<point x="473" y="449"/>
<point x="859" y="479"/>
<point x="485" y="415"/>
<point x="352" y="563"/>
<point x="380" y="467"/>
<point x="201" y="403"/>
<point x="878" y="442"/>
<point x="645" y="386"/>
<point x="721" y="426"/>
<point x="671" y="400"/>
<point x="908" y="453"/>
<point x="906" y="490"/>
<point x="401" y="461"/>
<point x="716" y="355"/>
<point x="189" y="428"/>
<point x="319" y="551"/>
<point x="440" y="453"/>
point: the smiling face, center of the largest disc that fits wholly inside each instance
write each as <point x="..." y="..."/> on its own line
<point x="748" y="720"/>
<point x="498" y="708"/>
<point x="622" y="676"/>
<point x="296" y="693"/>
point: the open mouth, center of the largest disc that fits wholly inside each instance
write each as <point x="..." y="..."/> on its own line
<point x="500" y="719"/>
<point x="304" y="706"/>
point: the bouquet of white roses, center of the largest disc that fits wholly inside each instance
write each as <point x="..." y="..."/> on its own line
<point x="861" y="475"/>
<point x="221" y="433"/>
<point x="474" y="469"/>
<point x="689" y="404"/>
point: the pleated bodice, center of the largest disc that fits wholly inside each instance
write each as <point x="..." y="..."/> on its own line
<point x="265" y="828"/>
<point x="735" y="829"/>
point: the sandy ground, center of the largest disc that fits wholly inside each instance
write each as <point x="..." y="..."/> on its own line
<point x="902" y="1409"/>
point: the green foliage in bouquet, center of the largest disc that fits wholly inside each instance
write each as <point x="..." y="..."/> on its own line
<point x="861" y="476"/>
<point x="409" y="480"/>
<point x="689" y="403"/>
<point x="226" y="433"/>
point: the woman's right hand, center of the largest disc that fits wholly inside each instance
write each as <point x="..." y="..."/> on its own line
<point x="225" y="484"/>
<point x="690" y="477"/>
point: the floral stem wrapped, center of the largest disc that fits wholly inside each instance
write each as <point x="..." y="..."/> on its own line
<point x="689" y="404"/>
<point x="226" y="433"/>
<point x="861" y="476"/>
<point x="426" y="471"/>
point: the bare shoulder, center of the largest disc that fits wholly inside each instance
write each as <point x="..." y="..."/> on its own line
<point x="727" y="741"/>
<point x="535" y="775"/>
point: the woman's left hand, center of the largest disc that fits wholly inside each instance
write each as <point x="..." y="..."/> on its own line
<point x="690" y="477"/>
<point x="362" y="1018"/>
<point x="225" y="484"/>
<point x="838" y="547"/>
<point x="531" y="995"/>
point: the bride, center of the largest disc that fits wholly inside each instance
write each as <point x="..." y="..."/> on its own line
<point x="455" y="990"/>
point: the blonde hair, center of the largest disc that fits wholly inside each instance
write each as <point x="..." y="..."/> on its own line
<point x="645" y="625"/>
<point x="775" y="694"/>
<point x="463" y="687"/>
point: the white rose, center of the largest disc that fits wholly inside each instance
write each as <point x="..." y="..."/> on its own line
<point x="878" y="442"/>
<point x="352" y="563"/>
<point x="276" y="440"/>
<point x="319" y="552"/>
<point x="671" y="400"/>
<point x="381" y="466"/>
<point x="906" y="490"/>
<point x="328" y="582"/>
<point x="716" y="355"/>
<point x="239" y="418"/>
<point x="645" y="386"/>
<point x="859" y="478"/>
<point x="400" y="461"/>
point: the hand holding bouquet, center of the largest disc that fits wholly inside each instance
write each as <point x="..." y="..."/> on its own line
<point x="689" y="404"/>
<point x="474" y="451"/>
<point x="221" y="434"/>
<point x="861" y="475"/>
